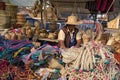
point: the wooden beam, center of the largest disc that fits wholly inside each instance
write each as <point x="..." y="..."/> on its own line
<point x="71" y="1"/>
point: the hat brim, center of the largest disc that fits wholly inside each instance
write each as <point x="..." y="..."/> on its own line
<point x="72" y="23"/>
<point x="77" y="23"/>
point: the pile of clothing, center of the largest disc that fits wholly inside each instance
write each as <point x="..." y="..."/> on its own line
<point x="20" y="59"/>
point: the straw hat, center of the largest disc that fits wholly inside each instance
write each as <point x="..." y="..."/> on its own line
<point x="72" y="20"/>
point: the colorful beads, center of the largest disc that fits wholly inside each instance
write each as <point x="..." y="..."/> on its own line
<point x="56" y="71"/>
<point x="84" y="70"/>
<point x="107" y="61"/>
<point x="91" y="70"/>
<point x="74" y="79"/>
<point x="80" y="70"/>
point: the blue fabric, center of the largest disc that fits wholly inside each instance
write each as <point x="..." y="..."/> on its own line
<point x="86" y="26"/>
<point x="36" y="55"/>
<point x="73" y="40"/>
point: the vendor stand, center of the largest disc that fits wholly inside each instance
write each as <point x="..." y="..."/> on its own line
<point x="21" y="58"/>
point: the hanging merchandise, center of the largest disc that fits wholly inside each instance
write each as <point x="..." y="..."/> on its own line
<point x="43" y="11"/>
<point x="92" y="61"/>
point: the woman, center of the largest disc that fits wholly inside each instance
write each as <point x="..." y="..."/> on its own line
<point x="69" y="36"/>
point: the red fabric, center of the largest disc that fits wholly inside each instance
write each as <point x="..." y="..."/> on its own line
<point x="103" y="5"/>
<point x="97" y="29"/>
<point x="117" y="56"/>
<point x="98" y="4"/>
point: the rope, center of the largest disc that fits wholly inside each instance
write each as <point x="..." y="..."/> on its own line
<point x="94" y="62"/>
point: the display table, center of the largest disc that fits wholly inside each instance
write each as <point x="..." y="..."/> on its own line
<point x="49" y="40"/>
<point x="110" y="30"/>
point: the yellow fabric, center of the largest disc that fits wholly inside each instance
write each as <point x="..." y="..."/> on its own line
<point x="16" y="53"/>
<point x="61" y="35"/>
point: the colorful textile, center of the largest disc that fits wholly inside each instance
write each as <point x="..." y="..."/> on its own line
<point x="9" y="47"/>
<point x="41" y="55"/>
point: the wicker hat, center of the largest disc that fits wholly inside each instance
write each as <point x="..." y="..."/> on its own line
<point x="72" y="20"/>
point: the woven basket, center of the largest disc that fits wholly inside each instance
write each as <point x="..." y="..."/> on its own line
<point x="4" y="26"/>
<point x="4" y="21"/>
<point x="2" y="5"/>
<point x="3" y="12"/>
<point x="11" y="7"/>
<point x="21" y="18"/>
<point x="11" y="10"/>
<point x="13" y="21"/>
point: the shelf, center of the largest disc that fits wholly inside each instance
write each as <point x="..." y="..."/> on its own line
<point x="110" y="30"/>
<point x="50" y="40"/>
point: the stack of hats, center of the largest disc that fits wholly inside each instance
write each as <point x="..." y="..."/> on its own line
<point x="11" y="11"/>
<point x="4" y="19"/>
<point x="21" y="19"/>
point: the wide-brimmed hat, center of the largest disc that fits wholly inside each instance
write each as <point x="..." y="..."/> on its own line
<point x="72" y="20"/>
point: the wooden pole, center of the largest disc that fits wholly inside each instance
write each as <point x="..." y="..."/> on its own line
<point x="41" y="3"/>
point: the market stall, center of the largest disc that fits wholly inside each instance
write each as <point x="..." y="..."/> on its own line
<point x="30" y="45"/>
